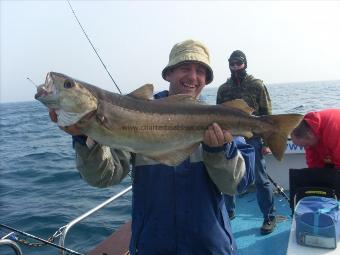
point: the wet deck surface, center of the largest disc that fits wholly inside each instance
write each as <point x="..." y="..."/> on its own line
<point x="246" y="227"/>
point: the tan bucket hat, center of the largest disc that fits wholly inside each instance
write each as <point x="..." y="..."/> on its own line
<point x="189" y="51"/>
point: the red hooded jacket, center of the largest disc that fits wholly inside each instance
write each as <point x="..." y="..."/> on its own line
<point x="326" y="126"/>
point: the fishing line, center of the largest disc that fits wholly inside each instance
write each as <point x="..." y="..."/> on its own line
<point x="92" y="45"/>
<point x="32" y="82"/>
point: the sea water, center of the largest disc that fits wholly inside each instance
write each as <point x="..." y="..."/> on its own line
<point x="40" y="189"/>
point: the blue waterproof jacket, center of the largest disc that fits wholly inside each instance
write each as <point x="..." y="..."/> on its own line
<point x="179" y="210"/>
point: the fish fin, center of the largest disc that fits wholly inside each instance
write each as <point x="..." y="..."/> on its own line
<point x="144" y="92"/>
<point x="239" y="104"/>
<point x="174" y="158"/>
<point x="283" y="126"/>
<point x="179" y="98"/>
<point x="105" y="115"/>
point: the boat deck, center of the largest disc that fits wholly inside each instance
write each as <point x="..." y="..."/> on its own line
<point x="246" y="230"/>
<point x="246" y="227"/>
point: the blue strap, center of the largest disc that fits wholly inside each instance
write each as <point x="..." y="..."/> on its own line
<point x="327" y="210"/>
<point x="316" y="222"/>
<point x="323" y="211"/>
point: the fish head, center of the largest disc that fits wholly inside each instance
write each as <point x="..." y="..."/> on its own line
<point x="69" y="98"/>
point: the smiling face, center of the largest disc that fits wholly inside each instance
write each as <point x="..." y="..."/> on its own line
<point x="187" y="78"/>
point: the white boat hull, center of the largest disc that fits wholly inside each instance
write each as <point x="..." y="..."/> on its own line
<point x="279" y="170"/>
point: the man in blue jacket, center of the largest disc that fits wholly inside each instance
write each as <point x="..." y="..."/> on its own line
<point x="176" y="210"/>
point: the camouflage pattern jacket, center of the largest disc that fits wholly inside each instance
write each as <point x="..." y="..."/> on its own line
<point x="251" y="90"/>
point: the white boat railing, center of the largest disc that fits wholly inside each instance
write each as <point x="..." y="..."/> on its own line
<point x="65" y="229"/>
<point x="11" y="244"/>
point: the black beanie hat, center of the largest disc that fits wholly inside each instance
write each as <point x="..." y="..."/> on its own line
<point x="238" y="55"/>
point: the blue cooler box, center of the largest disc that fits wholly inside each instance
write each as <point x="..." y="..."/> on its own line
<point x="317" y="222"/>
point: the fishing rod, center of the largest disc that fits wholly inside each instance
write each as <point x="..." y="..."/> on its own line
<point x="40" y="239"/>
<point x="82" y="28"/>
<point x="279" y="188"/>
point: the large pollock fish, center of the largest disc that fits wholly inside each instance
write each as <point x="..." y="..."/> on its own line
<point x="167" y="130"/>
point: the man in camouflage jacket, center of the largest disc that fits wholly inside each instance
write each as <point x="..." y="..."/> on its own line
<point x="244" y="86"/>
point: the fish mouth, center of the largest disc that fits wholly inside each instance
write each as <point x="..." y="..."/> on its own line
<point x="46" y="92"/>
<point x="42" y="92"/>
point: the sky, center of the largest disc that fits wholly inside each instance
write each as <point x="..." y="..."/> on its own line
<point x="284" y="41"/>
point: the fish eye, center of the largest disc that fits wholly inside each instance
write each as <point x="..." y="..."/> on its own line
<point x="68" y="84"/>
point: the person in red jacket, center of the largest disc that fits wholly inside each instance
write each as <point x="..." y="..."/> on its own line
<point x="319" y="134"/>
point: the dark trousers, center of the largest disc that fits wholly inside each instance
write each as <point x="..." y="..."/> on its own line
<point x="264" y="193"/>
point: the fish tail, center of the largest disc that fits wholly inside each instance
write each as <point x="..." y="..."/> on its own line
<point x="276" y="139"/>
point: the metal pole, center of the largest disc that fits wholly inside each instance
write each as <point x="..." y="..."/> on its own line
<point x="12" y="244"/>
<point x="80" y="218"/>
